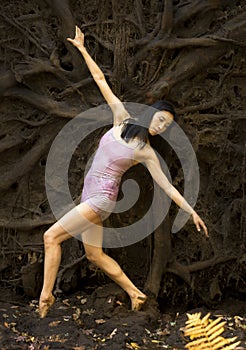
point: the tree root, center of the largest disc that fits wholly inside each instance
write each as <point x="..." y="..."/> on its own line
<point x="203" y="106"/>
<point x="27" y="224"/>
<point x="43" y="103"/>
<point x="12" y="173"/>
<point x="167" y="19"/>
<point x="184" y="271"/>
<point x="63" y="270"/>
<point x="24" y="31"/>
<point x="191" y="63"/>
<point x="10" y="141"/>
<point x="192" y="8"/>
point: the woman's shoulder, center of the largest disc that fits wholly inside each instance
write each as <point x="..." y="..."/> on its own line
<point x="144" y="153"/>
<point x="117" y="131"/>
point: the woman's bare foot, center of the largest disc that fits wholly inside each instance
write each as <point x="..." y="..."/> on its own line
<point x="45" y="305"/>
<point x="138" y="302"/>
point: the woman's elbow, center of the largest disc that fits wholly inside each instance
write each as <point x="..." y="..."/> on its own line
<point x="99" y="78"/>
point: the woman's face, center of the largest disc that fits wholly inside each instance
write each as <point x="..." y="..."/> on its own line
<point x="160" y="122"/>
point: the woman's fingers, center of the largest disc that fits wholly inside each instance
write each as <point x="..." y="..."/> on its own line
<point x="197" y="226"/>
<point x="78" y="39"/>
<point x="77" y="31"/>
<point x="205" y="229"/>
<point x="199" y="223"/>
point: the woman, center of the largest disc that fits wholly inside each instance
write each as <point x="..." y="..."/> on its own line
<point x="130" y="146"/>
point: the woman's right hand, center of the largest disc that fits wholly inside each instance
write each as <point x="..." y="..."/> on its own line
<point x="78" y="40"/>
<point x="199" y="223"/>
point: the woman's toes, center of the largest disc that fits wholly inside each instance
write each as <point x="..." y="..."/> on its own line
<point x="138" y="302"/>
<point x="45" y="305"/>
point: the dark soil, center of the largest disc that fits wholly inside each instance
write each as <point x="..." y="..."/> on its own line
<point x="103" y="320"/>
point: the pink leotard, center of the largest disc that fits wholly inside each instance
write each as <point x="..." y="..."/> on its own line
<point x="112" y="159"/>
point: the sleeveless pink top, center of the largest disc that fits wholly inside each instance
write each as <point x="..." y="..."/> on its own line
<point x="112" y="159"/>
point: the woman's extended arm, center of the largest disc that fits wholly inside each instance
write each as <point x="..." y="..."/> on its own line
<point x="148" y="156"/>
<point x="118" y="109"/>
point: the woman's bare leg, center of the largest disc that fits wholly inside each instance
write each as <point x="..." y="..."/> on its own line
<point x="92" y="240"/>
<point x="74" y="222"/>
<point x="81" y="219"/>
<point x="52" y="245"/>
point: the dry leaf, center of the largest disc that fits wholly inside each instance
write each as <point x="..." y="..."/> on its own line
<point x="66" y="318"/>
<point x="100" y="321"/>
<point x="62" y="307"/>
<point x="66" y="302"/>
<point x="76" y="316"/>
<point x="112" y="333"/>
<point x="87" y="331"/>
<point x="89" y="312"/>
<point x="57" y="338"/>
<point x="54" y="323"/>
<point x="164" y="331"/>
<point x="132" y="346"/>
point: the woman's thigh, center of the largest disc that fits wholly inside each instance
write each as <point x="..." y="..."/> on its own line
<point x="92" y="239"/>
<point x="75" y="222"/>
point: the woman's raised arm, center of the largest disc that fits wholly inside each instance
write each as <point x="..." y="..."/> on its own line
<point x="117" y="107"/>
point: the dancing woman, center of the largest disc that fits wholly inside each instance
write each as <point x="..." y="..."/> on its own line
<point x="123" y="146"/>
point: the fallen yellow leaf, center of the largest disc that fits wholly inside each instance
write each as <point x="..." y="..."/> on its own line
<point x="100" y="321"/>
<point x="54" y="323"/>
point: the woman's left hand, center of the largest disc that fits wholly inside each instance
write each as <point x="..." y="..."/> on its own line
<point x="78" y="40"/>
<point x="199" y="223"/>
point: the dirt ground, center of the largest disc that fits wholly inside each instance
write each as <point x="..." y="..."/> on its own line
<point x="102" y="319"/>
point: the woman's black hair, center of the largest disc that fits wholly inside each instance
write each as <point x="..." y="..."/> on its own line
<point x="139" y="127"/>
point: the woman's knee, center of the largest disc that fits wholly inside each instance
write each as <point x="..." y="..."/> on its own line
<point x="50" y="237"/>
<point x="94" y="256"/>
<point x="55" y="235"/>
